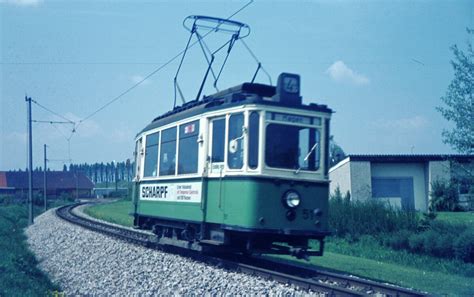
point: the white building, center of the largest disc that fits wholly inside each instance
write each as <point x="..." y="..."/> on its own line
<point x="401" y="180"/>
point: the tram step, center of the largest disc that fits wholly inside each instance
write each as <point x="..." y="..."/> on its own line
<point x="211" y="242"/>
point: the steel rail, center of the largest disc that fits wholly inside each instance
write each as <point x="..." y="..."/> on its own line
<point x="304" y="277"/>
<point x="342" y="280"/>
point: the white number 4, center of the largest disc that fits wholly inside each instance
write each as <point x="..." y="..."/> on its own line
<point x="290" y="84"/>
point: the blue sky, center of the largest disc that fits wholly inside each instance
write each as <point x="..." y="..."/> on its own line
<point x="381" y="65"/>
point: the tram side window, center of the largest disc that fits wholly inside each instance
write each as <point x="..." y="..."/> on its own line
<point x="317" y="150"/>
<point x="151" y="155"/>
<point x="235" y="152"/>
<point x="168" y="152"/>
<point x="218" y="140"/>
<point x="188" y="148"/>
<point x="254" y="121"/>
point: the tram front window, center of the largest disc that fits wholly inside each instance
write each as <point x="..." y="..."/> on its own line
<point x="292" y="147"/>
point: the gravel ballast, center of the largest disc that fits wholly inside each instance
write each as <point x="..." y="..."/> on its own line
<point x="83" y="262"/>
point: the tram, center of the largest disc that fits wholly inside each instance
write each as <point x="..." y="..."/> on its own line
<point x="243" y="170"/>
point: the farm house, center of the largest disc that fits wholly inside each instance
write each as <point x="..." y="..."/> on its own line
<point x="401" y="180"/>
<point x="57" y="183"/>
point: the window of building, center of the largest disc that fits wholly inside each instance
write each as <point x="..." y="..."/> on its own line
<point x="168" y="152"/>
<point x="235" y="152"/>
<point x="218" y="140"/>
<point x="188" y="148"/>
<point x="151" y="155"/>
<point x="254" y="123"/>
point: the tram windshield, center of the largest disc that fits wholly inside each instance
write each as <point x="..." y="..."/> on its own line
<point x="292" y="147"/>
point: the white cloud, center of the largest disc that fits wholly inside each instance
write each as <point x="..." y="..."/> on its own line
<point x="411" y="123"/>
<point x="138" y="78"/>
<point x="122" y="135"/>
<point x="340" y="72"/>
<point x="22" y="2"/>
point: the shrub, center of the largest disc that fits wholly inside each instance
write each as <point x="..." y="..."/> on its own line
<point x="443" y="246"/>
<point x="444" y="196"/>
<point x="66" y="197"/>
<point x="371" y="217"/>
<point x="6" y="199"/>
<point x="464" y="246"/>
<point x="429" y="239"/>
<point x="38" y="199"/>
<point x="397" y="240"/>
<point x="415" y="243"/>
<point x="443" y="241"/>
<point x="427" y="220"/>
<point x="399" y="229"/>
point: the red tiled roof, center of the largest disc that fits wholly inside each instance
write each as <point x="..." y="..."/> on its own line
<point x="55" y="180"/>
<point x="3" y="180"/>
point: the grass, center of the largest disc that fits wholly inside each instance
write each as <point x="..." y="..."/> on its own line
<point x="457" y="218"/>
<point x="115" y="212"/>
<point x="433" y="282"/>
<point x="367" y="259"/>
<point x="368" y="248"/>
<point x="19" y="275"/>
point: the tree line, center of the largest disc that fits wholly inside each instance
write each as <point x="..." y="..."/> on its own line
<point x="104" y="172"/>
<point x="98" y="172"/>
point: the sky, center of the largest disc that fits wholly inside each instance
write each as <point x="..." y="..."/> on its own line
<point x="382" y="66"/>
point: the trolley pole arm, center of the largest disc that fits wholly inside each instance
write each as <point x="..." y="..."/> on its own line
<point x="205" y="78"/>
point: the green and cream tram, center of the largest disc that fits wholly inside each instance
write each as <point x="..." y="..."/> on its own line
<point x="245" y="169"/>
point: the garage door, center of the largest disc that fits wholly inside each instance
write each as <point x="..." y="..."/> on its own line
<point x="384" y="187"/>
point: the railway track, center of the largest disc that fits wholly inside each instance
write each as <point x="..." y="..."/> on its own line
<point x="308" y="278"/>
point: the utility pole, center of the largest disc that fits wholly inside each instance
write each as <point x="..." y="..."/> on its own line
<point x="30" y="163"/>
<point x="45" y="188"/>
<point x="115" y="176"/>
<point x="77" y="184"/>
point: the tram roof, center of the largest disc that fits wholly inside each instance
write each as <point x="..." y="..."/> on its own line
<point x="246" y="93"/>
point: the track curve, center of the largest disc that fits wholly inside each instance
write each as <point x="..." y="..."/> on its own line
<point x="316" y="280"/>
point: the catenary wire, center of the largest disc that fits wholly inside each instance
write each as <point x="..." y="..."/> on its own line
<point x="151" y="74"/>
<point x="53" y="112"/>
<point x="76" y="124"/>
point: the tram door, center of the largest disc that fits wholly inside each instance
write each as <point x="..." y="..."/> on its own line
<point x="138" y="165"/>
<point x="216" y="197"/>
<point x="138" y="158"/>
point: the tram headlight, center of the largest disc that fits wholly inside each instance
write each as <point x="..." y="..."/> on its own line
<point x="291" y="199"/>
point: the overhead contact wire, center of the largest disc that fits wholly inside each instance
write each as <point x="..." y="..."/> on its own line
<point x="153" y="72"/>
<point x="53" y="112"/>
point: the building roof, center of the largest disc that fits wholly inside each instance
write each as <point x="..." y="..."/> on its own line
<point x="54" y="179"/>
<point x="410" y="158"/>
<point x="403" y="159"/>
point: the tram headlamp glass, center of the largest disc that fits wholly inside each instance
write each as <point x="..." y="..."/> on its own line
<point x="291" y="199"/>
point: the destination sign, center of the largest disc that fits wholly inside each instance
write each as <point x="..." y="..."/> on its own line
<point x="296" y="119"/>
